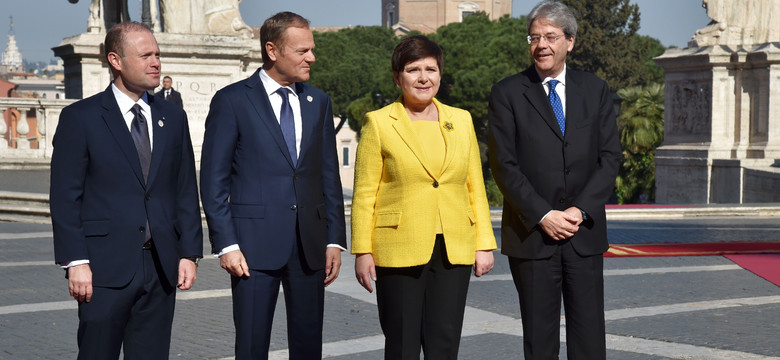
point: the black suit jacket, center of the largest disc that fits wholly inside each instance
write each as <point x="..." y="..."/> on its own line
<point x="99" y="199"/>
<point x="175" y="97"/>
<point x="253" y="194"/>
<point x="538" y="169"/>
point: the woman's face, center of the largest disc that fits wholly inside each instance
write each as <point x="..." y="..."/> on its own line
<point x="419" y="80"/>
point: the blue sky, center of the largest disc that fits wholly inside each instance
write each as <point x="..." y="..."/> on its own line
<point x="40" y="25"/>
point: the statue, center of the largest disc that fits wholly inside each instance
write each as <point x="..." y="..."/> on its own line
<point x="202" y="17"/>
<point x="211" y="17"/>
<point x="739" y="22"/>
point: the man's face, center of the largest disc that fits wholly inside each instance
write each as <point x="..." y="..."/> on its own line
<point x="167" y="83"/>
<point x="549" y="58"/>
<point x="138" y="66"/>
<point x="291" y="61"/>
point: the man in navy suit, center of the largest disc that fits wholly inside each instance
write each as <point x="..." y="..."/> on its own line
<point x="124" y="205"/>
<point x="167" y="92"/>
<point x="554" y="152"/>
<point x="272" y="194"/>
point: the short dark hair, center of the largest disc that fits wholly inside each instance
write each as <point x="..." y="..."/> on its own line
<point x="557" y="13"/>
<point x="274" y="27"/>
<point x="116" y="37"/>
<point x="167" y="77"/>
<point x="414" y="48"/>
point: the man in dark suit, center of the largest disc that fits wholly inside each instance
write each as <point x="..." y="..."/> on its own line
<point x="272" y="194"/>
<point x="124" y="205"/>
<point x="554" y="153"/>
<point x="168" y="93"/>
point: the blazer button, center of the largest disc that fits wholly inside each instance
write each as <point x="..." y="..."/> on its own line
<point x="293" y="207"/>
<point x="148" y="196"/>
<point x="561" y="201"/>
<point x="567" y="172"/>
<point x="141" y="229"/>
<point x="435" y="184"/>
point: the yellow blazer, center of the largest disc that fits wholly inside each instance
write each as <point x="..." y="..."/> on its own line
<point x="397" y="196"/>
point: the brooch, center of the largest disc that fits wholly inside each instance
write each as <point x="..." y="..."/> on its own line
<point x="448" y="126"/>
<point x="309" y="98"/>
<point x="161" y="122"/>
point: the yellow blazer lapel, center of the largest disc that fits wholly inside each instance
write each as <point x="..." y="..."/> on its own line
<point x="403" y="126"/>
<point x="447" y="127"/>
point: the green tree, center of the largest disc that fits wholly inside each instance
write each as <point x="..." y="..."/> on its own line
<point x="641" y="129"/>
<point x="605" y="42"/>
<point x="352" y="64"/>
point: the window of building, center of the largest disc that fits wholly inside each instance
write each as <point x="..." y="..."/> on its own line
<point x="345" y="156"/>
<point x="467" y="9"/>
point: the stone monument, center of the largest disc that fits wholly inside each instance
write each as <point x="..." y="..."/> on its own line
<point x="204" y="45"/>
<point x="722" y="120"/>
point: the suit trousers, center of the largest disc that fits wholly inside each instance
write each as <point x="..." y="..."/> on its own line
<point x="422" y="306"/>
<point x="136" y="318"/>
<point x="539" y="284"/>
<point x="254" y="302"/>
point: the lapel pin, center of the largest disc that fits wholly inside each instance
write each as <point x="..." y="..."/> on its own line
<point x="448" y="126"/>
<point x="161" y="122"/>
<point x="309" y="98"/>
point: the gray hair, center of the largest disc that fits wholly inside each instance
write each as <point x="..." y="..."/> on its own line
<point x="557" y="13"/>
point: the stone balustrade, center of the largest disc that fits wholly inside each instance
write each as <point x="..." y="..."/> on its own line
<point x="27" y="136"/>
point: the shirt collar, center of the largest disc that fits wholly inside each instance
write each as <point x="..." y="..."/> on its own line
<point x="561" y="77"/>
<point x="126" y="103"/>
<point x="271" y="86"/>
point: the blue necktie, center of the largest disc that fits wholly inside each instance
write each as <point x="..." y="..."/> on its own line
<point x="287" y="122"/>
<point x="140" y="133"/>
<point x="557" y="106"/>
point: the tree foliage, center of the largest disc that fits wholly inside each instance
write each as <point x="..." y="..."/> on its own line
<point x="606" y="44"/>
<point x="352" y="64"/>
<point x="641" y="130"/>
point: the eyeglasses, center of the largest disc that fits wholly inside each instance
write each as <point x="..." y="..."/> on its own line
<point x="551" y="39"/>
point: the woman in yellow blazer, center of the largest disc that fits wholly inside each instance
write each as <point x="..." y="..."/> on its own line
<point x="420" y="218"/>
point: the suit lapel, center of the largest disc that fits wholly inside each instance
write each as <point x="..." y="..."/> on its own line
<point x="309" y="117"/>
<point x="538" y="99"/>
<point x="115" y="121"/>
<point x="160" y="134"/>
<point x="446" y="126"/>
<point x="574" y="105"/>
<point x="259" y="99"/>
<point x="403" y="126"/>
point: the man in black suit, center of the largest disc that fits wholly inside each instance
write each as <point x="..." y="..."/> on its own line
<point x="124" y="205"/>
<point x="168" y="93"/>
<point x="554" y="153"/>
<point x="272" y="194"/>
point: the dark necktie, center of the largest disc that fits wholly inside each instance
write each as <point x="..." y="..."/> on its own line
<point x="557" y="106"/>
<point x="140" y="133"/>
<point x="167" y="94"/>
<point x="287" y="122"/>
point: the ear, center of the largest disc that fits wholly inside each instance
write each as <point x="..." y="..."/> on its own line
<point x="395" y="79"/>
<point x="571" y="44"/>
<point x="115" y="61"/>
<point x="272" y="50"/>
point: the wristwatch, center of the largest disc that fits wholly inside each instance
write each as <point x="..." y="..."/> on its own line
<point x="194" y="259"/>
<point x="584" y="215"/>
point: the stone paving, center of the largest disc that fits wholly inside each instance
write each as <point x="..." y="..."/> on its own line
<point x="657" y="308"/>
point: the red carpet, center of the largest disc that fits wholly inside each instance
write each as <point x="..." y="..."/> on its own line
<point x="695" y="249"/>
<point x="766" y="266"/>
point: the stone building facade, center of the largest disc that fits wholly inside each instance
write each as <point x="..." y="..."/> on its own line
<point x="428" y="15"/>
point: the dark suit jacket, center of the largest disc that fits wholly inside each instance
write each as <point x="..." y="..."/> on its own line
<point x="538" y="169"/>
<point x="253" y="194"/>
<point x="100" y="202"/>
<point x="175" y="97"/>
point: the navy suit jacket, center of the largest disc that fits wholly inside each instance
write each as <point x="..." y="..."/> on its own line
<point x="99" y="200"/>
<point x="253" y="194"/>
<point x="175" y="97"/>
<point x="538" y="169"/>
